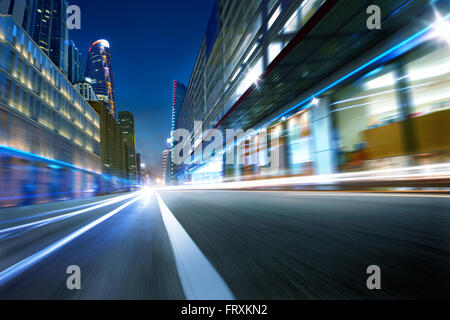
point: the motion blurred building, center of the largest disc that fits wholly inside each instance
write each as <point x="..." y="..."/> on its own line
<point x="332" y="95"/>
<point x="139" y="168"/>
<point x="99" y="69"/>
<point x="75" y="71"/>
<point x="113" y="150"/>
<point x="46" y="127"/>
<point x="50" y="30"/>
<point x="126" y="122"/>
<point x="166" y="163"/>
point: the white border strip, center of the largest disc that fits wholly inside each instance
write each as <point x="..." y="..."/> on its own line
<point x="198" y="277"/>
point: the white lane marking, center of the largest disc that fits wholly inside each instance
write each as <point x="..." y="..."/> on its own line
<point x="43" y="222"/>
<point x="199" y="279"/>
<point x="16" y="269"/>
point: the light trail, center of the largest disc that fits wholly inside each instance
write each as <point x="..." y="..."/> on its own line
<point x="43" y="222"/>
<point x="417" y="173"/>
<point x="16" y="269"/>
<point x="52" y="212"/>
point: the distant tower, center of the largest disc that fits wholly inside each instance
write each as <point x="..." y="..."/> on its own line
<point x="76" y="66"/>
<point x="166" y="167"/>
<point x="50" y="30"/>
<point x="179" y="92"/>
<point x="126" y="122"/>
<point x="99" y="69"/>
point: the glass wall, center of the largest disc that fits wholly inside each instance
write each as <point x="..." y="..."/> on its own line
<point x="392" y="115"/>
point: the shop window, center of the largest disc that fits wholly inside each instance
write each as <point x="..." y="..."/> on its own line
<point x="429" y="78"/>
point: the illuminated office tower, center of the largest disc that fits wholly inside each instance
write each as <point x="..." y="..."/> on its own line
<point x="126" y="122"/>
<point x="50" y="30"/>
<point x="99" y="69"/>
<point x="113" y="150"/>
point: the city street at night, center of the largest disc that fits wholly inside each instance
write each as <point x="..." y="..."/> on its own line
<point x="251" y="245"/>
<point x="224" y="159"/>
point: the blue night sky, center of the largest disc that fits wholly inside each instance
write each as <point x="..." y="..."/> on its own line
<point x="153" y="42"/>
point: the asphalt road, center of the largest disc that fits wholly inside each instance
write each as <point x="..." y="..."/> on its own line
<point x="228" y="244"/>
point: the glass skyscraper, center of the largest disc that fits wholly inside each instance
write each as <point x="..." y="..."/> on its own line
<point x="99" y="69"/>
<point x="179" y="91"/>
<point x="50" y="30"/>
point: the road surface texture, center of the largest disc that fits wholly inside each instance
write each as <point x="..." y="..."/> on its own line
<point x="228" y="245"/>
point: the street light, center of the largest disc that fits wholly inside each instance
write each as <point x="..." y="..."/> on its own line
<point x="315" y="101"/>
<point x="442" y="28"/>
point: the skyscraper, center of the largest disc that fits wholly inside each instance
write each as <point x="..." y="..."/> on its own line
<point x="138" y="168"/>
<point x="179" y="91"/>
<point x="166" y="165"/>
<point x="50" y="30"/>
<point x="99" y="69"/>
<point x="75" y="66"/>
<point x="126" y="122"/>
<point x="113" y="151"/>
<point x="21" y="10"/>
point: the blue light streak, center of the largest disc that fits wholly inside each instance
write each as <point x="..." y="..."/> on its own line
<point x="18" y="268"/>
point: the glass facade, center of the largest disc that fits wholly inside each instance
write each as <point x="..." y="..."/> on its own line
<point x="50" y="30"/>
<point x="390" y="113"/>
<point x="393" y="112"/>
<point x="42" y="112"/>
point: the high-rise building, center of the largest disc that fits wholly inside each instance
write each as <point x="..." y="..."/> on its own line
<point x="293" y="70"/>
<point x="75" y="71"/>
<point x="22" y="11"/>
<point x="179" y="92"/>
<point x="113" y="151"/>
<point x="126" y="122"/>
<point x="165" y="166"/>
<point x="138" y="167"/>
<point x="42" y="113"/>
<point x="86" y="90"/>
<point x="50" y="30"/>
<point x="99" y="69"/>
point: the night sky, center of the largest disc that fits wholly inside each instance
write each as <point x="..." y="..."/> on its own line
<point x="153" y="42"/>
